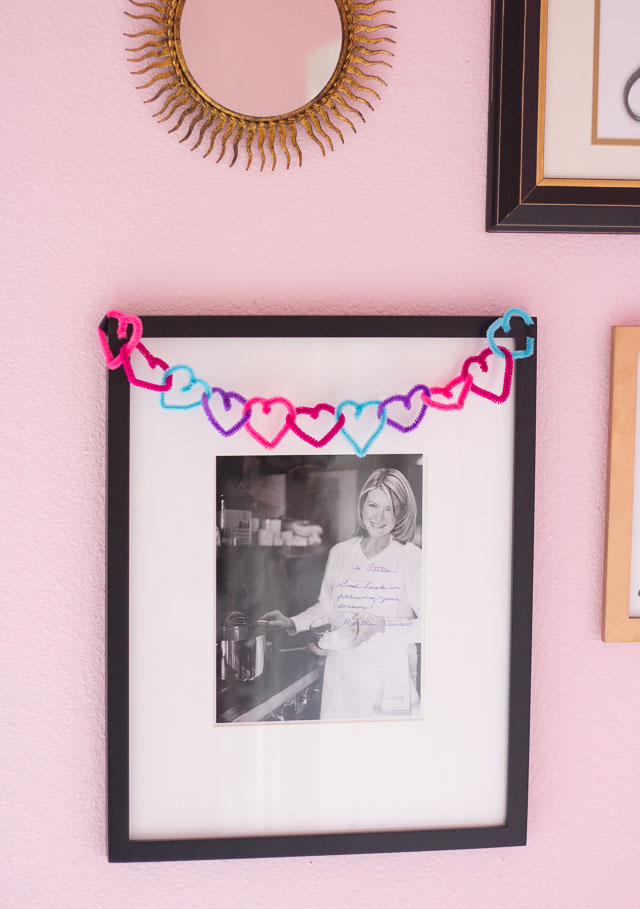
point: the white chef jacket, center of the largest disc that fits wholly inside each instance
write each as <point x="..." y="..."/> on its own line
<point x="376" y="678"/>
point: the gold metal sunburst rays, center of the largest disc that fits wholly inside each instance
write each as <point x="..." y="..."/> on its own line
<point x="365" y="46"/>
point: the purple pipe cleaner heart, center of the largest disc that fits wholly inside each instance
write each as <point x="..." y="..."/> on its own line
<point x="227" y="398"/>
<point x="406" y="401"/>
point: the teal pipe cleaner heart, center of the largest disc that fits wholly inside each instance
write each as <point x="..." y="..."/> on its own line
<point x="185" y="389"/>
<point x="361" y="450"/>
<point x="504" y="322"/>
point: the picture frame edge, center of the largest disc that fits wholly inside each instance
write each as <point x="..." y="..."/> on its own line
<point x="506" y="169"/>
<point x="120" y="847"/>
<point x="617" y="625"/>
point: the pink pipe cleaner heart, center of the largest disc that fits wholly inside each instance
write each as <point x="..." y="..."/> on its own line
<point x="482" y="360"/>
<point x="129" y="346"/>
<point x="265" y="405"/>
<point x="314" y="413"/>
<point x="454" y="403"/>
<point x="153" y="363"/>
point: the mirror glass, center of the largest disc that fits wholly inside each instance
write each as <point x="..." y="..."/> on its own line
<point x="261" y="58"/>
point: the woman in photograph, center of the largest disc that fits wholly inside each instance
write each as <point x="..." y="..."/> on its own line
<point x="372" y="582"/>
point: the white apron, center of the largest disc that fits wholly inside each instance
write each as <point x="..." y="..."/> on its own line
<point x="378" y="677"/>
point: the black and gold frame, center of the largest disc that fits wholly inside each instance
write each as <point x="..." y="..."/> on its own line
<point x="341" y="104"/>
<point x="521" y="194"/>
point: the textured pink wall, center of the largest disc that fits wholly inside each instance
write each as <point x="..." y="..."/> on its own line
<point x="101" y="208"/>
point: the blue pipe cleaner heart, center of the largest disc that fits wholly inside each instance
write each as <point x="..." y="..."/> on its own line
<point x="361" y="450"/>
<point x="505" y="324"/>
<point x="191" y="383"/>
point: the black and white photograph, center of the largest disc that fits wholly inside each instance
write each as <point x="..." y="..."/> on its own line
<point x="319" y="588"/>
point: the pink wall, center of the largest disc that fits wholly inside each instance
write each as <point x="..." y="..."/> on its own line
<point x="101" y="208"/>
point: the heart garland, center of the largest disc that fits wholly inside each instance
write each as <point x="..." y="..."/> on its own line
<point x="314" y="413"/>
<point x="120" y="335"/>
<point x="128" y="332"/>
<point x="504" y="323"/>
<point x="359" y="408"/>
<point x="446" y="391"/>
<point x="405" y="400"/>
<point x="481" y="359"/>
<point x="266" y="406"/>
<point x="153" y="363"/>
<point x="192" y="381"/>
<point x="228" y="397"/>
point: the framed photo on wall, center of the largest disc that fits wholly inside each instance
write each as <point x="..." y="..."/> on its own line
<point x="319" y="615"/>
<point x="564" y="117"/>
<point x="621" y="619"/>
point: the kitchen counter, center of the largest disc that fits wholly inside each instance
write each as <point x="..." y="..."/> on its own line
<point x="286" y="676"/>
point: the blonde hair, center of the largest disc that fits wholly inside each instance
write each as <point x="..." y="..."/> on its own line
<point x="403" y="501"/>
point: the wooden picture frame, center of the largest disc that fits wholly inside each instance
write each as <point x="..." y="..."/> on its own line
<point x="524" y="191"/>
<point x="153" y="763"/>
<point x="618" y="623"/>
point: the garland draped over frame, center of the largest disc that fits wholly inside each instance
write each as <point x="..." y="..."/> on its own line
<point x="121" y="333"/>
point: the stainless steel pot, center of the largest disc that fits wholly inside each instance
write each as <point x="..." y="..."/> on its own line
<point x="243" y="648"/>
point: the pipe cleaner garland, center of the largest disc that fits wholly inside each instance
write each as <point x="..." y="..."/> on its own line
<point x="120" y="334"/>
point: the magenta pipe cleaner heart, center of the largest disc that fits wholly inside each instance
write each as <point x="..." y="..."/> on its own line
<point x="153" y="363"/>
<point x="465" y="383"/>
<point x="129" y="346"/>
<point x="406" y="402"/>
<point x="266" y="405"/>
<point x="314" y="413"/>
<point x="227" y="399"/>
<point x="482" y="360"/>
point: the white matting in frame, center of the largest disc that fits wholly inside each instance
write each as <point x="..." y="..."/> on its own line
<point x="190" y="778"/>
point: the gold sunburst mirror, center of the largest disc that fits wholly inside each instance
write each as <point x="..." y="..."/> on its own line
<point x="223" y="72"/>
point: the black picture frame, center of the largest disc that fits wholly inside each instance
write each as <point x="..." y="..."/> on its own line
<point x="518" y="199"/>
<point x="121" y="848"/>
